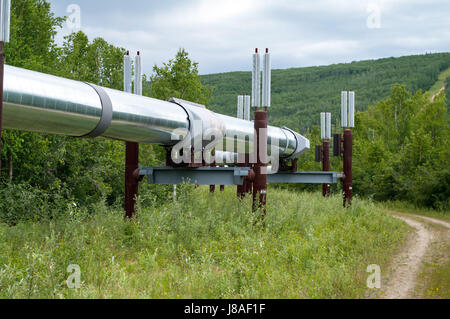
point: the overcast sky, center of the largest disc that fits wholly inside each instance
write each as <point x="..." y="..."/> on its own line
<point x="221" y="34"/>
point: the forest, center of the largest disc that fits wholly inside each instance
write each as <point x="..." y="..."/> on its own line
<point x="299" y="94"/>
<point x="401" y="137"/>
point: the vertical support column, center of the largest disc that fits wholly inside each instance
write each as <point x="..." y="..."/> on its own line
<point x="5" y="18"/>
<point x="248" y="183"/>
<point x="260" y="168"/>
<point x="255" y="103"/>
<point x="326" y="165"/>
<point x="222" y="187"/>
<point x="2" y="68"/>
<point x="348" y="178"/>
<point x="131" y="182"/>
<point x="241" y="188"/>
<point x="212" y="188"/>
<point x="348" y="122"/>
<point x="326" y="152"/>
<point x="241" y="162"/>
<point x="131" y="148"/>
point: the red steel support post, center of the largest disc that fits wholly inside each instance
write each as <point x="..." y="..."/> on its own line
<point x="260" y="181"/>
<point x="248" y="183"/>
<point x="131" y="181"/>
<point x="348" y="178"/>
<point x="212" y="188"/>
<point x="326" y="165"/>
<point x="241" y="189"/>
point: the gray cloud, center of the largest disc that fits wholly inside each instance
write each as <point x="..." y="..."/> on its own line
<point x="221" y="35"/>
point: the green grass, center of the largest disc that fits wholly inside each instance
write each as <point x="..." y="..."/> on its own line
<point x="440" y="82"/>
<point x="203" y="246"/>
<point x="434" y="277"/>
<point x="438" y="281"/>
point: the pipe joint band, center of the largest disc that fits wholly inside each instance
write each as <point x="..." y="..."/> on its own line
<point x="107" y="112"/>
<point x="297" y="146"/>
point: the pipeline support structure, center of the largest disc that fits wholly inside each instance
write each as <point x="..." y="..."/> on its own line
<point x="2" y="67"/>
<point x="131" y="181"/>
<point x="42" y="103"/>
<point x="38" y="102"/>
<point x="326" y="165"/>
<point x="347" y="122"/>
<point x="347" y="180"/>
<point x="260" y="167"/>
<point x="131" y="148"/>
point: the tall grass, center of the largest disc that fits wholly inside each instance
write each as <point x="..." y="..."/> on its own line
<point x="202" y="246"/>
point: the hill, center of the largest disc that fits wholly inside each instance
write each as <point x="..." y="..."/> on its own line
<point x="299" y="94"/>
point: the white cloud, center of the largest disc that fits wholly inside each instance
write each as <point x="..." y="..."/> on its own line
<point x="204" y="13"/>
<point x="222" y="34"/>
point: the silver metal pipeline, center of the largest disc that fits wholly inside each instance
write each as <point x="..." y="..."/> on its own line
<point x="44" y="103"/>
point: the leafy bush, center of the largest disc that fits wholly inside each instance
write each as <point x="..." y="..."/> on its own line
<point x="22" y="202"/>
<point x="402" y="148"/>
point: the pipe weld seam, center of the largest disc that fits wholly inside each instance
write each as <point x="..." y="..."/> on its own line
<point x="107" y="112"/>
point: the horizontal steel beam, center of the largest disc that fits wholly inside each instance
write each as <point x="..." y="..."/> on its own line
<point x="305" y="178"/>
<point x="229" y="176"/>
<point x="197" y="176"/>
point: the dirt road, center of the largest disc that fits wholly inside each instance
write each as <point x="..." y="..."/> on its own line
<point x="437" y="93"/>
<point x="407" y="265"/>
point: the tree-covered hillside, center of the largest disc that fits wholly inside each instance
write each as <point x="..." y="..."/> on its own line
<point x="299" y="94"/>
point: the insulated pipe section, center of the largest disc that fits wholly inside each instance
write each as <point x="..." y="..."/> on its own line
<point x="105" y="119"/>
<point x="44" y="103"/>
<point x="237" y="133"/>
<point x="38" y="102"/>
<point x="302" y="144"/>
<point x="222" y="157"/>
<point x="144" y="120"/>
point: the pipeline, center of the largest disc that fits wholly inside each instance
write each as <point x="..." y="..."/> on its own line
<point x="43" y="103"/>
